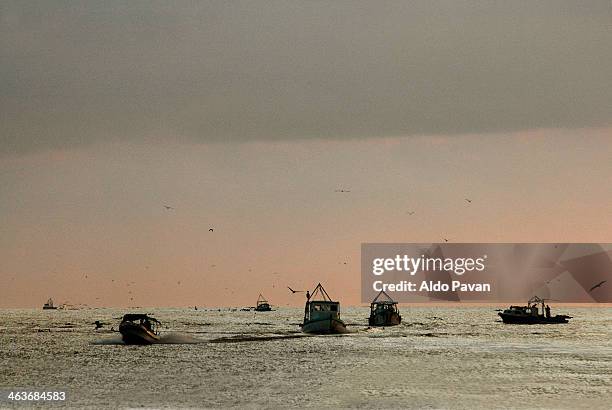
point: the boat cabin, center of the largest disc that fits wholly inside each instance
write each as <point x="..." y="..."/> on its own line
<point x="531" y="309"/>
<point x="148" y="322"/>
<point x="384" y="311"/>
<point x="320" y="306"/>
<point x="522" y="310"/>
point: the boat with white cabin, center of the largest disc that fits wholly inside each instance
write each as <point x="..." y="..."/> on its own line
<point x="322" y="314"/>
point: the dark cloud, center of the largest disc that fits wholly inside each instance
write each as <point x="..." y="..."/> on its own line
<point x="80" y="72"/>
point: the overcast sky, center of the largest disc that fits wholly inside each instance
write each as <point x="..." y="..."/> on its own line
<point x="77" y="72"/>
<point x="247" y="116"/>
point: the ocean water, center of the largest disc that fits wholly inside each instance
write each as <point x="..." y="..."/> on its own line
<point x="460" y="357"/>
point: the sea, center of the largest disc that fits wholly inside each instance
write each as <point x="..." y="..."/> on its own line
<point x="439" y="358"/>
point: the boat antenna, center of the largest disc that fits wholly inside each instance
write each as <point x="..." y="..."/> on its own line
<point x="383" y="293"/>
<point x="319" y="289"/>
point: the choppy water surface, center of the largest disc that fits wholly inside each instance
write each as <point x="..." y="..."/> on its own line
<point x="438" y="358"/>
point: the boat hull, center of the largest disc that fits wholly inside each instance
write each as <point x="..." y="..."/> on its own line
<point x="392" y="319"/>
<point x="134" y="334"/>
<point x="532" y="320"/>
<point x="324" y="326"/>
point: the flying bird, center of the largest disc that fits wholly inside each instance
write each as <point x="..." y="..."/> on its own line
<point x="294" y="291"/>
<point x="598" y="285"/>
<point x="468" y="200"/>
<point x="211" y="230"/>
<point x="410" y="212"/>
<point x="342" y="190"/>
<point x="445" y="240"/>
<point x="168" y="208"/>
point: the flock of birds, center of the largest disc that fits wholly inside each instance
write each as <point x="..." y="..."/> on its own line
<point x="339" y="190"/>
<point x="410" y="213"/>
<point x="293" y="291"/>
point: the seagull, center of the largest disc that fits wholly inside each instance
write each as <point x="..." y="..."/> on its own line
<point x="211" y="230"/>
<point x="445" y="240"/>
<point x="168" y="208"/>
<point x="410" y="212"/>
<point x="342" y="190"/>
<point x="598" y="285"/>
<point x="294" y="291"/>
<point x="469" y="200"/>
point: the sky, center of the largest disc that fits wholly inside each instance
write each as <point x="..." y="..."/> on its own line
<point x="246" y="117"/>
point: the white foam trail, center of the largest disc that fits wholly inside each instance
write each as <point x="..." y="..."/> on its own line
<point x="114" y="340"/>
<point x="179" y="338"/>
<point x="168" y="338"/>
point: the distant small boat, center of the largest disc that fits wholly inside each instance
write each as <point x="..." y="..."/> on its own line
<point x="49" y="305"/>
<point x="139" y="329"/>
<point x="322" y="315"/>
<point x="262" y="304"/>
<point x="384" y="311"/>
<point x="530" y="315"/>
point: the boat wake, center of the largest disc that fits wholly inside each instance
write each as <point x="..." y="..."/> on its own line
<point x="165" y="339"/>
<point x="114" y="340"/>
<point x="246" y="338"/>
<point x="178" y="339"/>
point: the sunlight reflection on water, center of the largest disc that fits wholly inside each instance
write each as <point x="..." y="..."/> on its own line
<point x="439" y="357"/>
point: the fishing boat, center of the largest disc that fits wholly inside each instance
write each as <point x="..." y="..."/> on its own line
<point x="139" y="329"/>
<point x="530" y="314"/>
<point x="321" y="314"/>
<point x="384" y="311"/>
<point x="49" y="305"/>
<point x="262" y="304"/>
